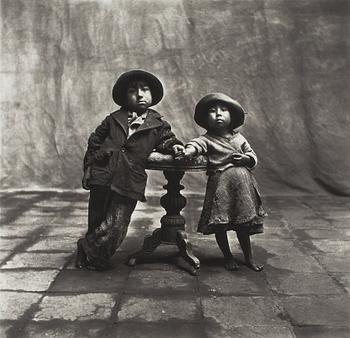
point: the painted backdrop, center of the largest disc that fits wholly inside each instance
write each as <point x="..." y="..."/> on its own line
<point x="286" y="61"/>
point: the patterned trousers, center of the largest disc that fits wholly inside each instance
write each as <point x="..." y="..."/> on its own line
<point x="101" y="243"/>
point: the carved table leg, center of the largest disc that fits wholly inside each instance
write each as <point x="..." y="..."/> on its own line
<point x="172" y="229"/>
<point x="150" y="243"/>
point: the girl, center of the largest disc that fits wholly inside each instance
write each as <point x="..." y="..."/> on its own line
<point x="232" y="200"/>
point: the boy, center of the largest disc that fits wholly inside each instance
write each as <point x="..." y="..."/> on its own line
<point x="114" y="164"/>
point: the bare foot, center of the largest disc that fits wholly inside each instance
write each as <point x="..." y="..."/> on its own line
<point x="254" y="266"/>
<point x="230" y="264"/>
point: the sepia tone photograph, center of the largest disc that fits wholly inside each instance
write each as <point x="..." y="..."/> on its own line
<point x="175" y="168"/>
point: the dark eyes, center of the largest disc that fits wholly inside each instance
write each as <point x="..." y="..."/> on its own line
<point x="213" y="110"/>
<point x="143" y="88"/>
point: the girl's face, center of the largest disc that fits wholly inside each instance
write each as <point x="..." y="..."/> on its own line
<point x="219" y="117"/>
<point x="139" y="96"/>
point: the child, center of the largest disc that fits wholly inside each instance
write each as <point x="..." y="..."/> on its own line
<point x="114" y="164"/>
<point x="232" y="200"/>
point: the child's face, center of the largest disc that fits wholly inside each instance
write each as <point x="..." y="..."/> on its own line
<point x="139" y="96"/>
<point x="219" y="117"/>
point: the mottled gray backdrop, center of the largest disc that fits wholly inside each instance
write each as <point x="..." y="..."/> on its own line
<point x="286" y="61"/>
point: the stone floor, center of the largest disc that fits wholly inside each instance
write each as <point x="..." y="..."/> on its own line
<point x="302" y="292"/>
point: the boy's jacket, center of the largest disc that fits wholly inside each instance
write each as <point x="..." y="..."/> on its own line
<point x="123" y="167"/>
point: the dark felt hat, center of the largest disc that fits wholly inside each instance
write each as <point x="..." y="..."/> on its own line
<point x="201" y="110"/>
<point x="120" y="87"/>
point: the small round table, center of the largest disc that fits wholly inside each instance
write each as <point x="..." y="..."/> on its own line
<point x="172" y="230"/>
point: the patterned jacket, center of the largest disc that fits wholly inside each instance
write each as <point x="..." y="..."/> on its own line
<point x="123" y="167"/>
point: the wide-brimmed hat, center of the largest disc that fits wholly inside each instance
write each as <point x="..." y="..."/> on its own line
<point x="121" y="85"/>
<point x="201" y="110"/>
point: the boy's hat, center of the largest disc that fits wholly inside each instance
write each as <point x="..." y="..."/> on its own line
<point x="120" y="87"/>
<point x="201" y="110"/>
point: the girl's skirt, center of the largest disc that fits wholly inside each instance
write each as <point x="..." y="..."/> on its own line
<point x="232" y="201"/>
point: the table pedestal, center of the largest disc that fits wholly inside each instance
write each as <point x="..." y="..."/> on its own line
<point x="172" y="230"/>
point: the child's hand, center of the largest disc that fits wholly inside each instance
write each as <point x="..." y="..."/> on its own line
<point x="189" y="152"/>
<point x="179" y="150"/>
<point x="241" y="160"/>
<point x="86" y="179"/>
<point x="102" y="154"/>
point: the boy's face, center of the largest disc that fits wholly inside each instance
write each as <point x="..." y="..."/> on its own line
<point x="219" y="117"/>
<point x="138" y="96"/>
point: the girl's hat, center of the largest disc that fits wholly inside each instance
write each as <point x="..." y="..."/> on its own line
<point x="120" y="87"/>
<point x="201" y="110"/>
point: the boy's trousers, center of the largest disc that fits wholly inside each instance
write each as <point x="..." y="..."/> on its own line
<point x="108" y="221"/>
<point x="100" y="197"/>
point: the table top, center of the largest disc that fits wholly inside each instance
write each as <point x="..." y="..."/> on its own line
<point x="158" y="161"/>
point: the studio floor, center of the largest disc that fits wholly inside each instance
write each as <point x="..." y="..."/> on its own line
<point x="303" y="290"/>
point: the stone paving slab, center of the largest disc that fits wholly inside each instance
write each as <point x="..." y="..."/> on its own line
<point x="276" y="246"/>
<point x="345" y="232"/>
<point x="38" y="213"/>
<point x="330" y="233"/>
<point x="4" y="255"/>
<point x="67" y="329"/>
<point x="246" y="311"/>
<point x="154" y="282"/>
<point x="54" y="244"/>
<point x="318" y="310"/>
<point x="87" y="306"/>
<point x="278" y="232"/>
<point x="322" y="332"/>
<point x="15" y="304"/>
<point x="9" y="244"/>
<point x="340" y="213"/>
<point x="64" y="231"/>
<point x="55" y="202"/>
<point x="18" y="230"/>
<point x="310" y="221"/>
<point x="340" y="223"/>
<point x="344" y="280"/>
<point x="79" y="281"/>
<point x="158" y="308"/>
<point x="334" y="262"/>
<point x="40" y="220"/>
<point x="330" y="246"/>
<point x="78" y="212"/>
<point x="68" y="220"/>
<point x="304" y="284"/>
<point x="37" y="260"/>
<point x="170" y="329"/>
<point x="105" y="329"/>
<point x="27" y="280"/>
<point x="215" y="331"/>
<point x="244" y="282"/>
<point x="294" y="263"/>
<point x="4" y="327"/>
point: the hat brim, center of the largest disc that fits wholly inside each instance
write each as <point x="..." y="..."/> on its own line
<point x="121" y="85"/>
<point x="236" y="110"/>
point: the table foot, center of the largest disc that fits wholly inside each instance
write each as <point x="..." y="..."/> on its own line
<point x="150" y="243"/>
<point x="185" y="248"/>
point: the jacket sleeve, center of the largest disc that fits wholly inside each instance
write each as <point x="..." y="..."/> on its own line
<point x="166" y="140"/>
<point x="200" y="144"/>
<point x="247" y="150"/>
<point x="95" y="140"/>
